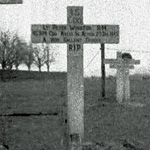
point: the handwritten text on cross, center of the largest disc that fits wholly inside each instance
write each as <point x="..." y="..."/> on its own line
<point x="75" y="31"/>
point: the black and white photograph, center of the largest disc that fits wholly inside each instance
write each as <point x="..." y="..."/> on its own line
<point x="74" y="75"/>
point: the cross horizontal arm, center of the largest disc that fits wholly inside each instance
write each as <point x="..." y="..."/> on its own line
<point x="132" y="61"/>
<point x="121" y="61"/>
<point x="121" y="66"/>
<point x="53" y="33"/>
<point x="11" y="1"/>
<point x="110" y="61"/>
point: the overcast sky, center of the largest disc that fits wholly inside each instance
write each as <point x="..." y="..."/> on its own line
<point x="133" y="17"/>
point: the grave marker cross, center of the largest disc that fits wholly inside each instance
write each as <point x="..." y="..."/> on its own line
<point x="75" y="34"/>
<point x="123" y="82"/>
<point x="11" y="1"/>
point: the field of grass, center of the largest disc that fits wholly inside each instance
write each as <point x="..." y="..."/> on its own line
<point x="105" y="119"/>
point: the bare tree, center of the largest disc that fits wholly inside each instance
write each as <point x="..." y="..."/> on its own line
<point x="11" y="50"/>
<point x="39" y="57"/>
<point x="19" y="49"/>
<point x="5" y="52"/>
<point x="28" y="57"/>
<point x="50" y="55"/>
<point x="4" y="48"/>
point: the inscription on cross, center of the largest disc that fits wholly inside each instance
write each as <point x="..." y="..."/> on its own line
<point x="75" y="34"/>
<point x="123" y="82"/>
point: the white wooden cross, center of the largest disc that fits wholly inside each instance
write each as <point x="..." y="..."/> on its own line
<point x="75" y="34"/>
<point x="11" y="1"/>
<point x="123" y="82"/>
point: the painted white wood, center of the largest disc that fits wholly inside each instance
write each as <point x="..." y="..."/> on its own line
<point x="122" y="79"/>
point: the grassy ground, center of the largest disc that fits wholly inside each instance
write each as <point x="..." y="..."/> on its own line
<point x="105" y="119"/>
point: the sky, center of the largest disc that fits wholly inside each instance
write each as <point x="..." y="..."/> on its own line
<point x="131" y="16"/>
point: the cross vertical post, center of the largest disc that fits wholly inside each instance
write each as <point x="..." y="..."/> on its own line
<point x="126" y="85"/>
<point x="103" y="69"/>
<point x="123" y="83"/>
<point x="75" y="80"/>
<point x="120" y="81"/>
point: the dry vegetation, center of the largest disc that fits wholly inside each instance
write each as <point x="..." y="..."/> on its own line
<point x="105" y="120"/>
